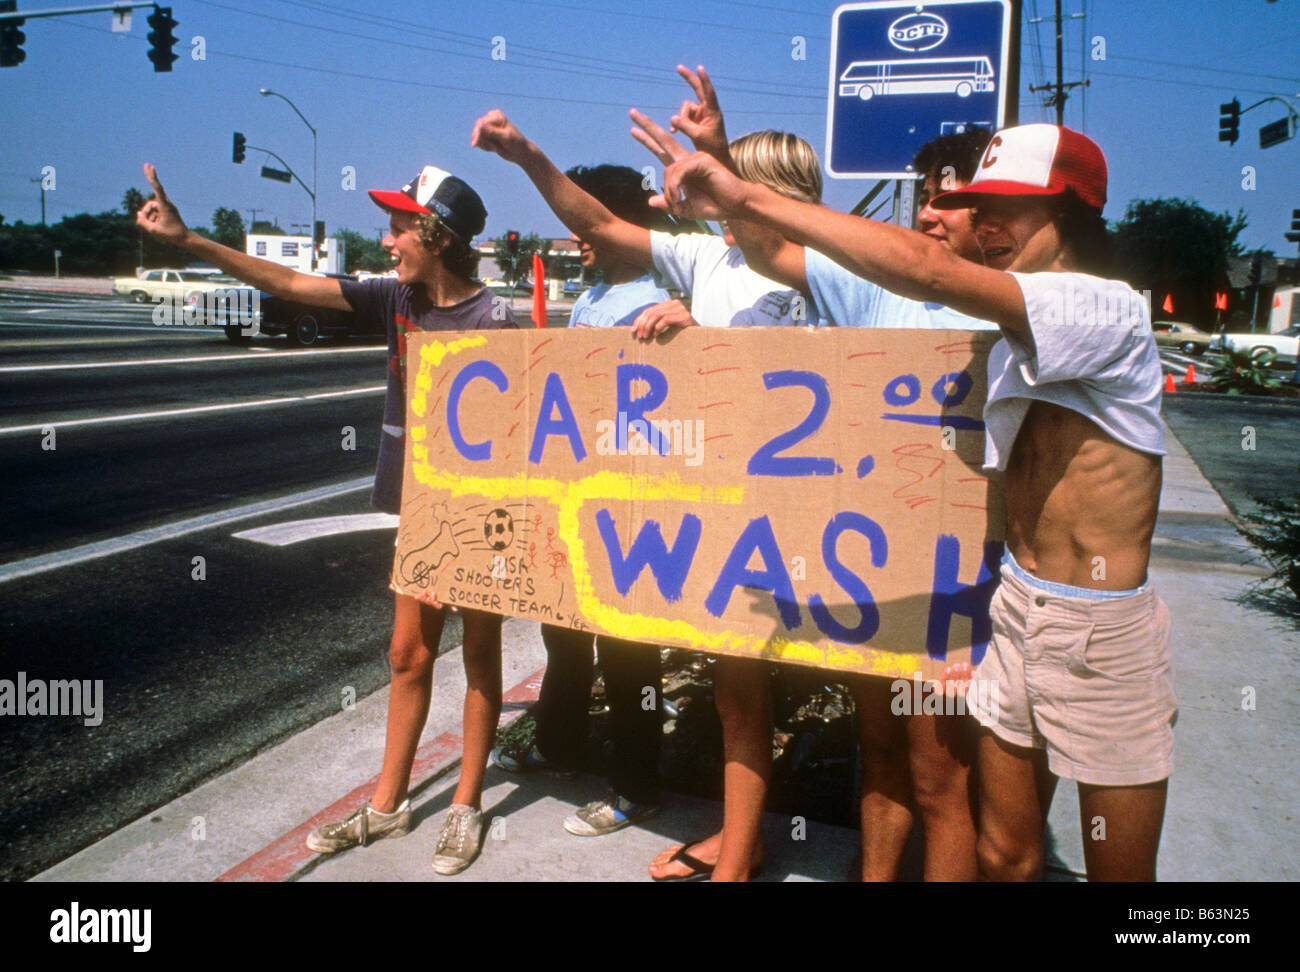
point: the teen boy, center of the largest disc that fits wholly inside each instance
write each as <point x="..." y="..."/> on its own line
<point x="431" y="223"/>
<point x="1081" y="643"/>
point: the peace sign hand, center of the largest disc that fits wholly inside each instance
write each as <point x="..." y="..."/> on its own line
<point x="701" y="120"/>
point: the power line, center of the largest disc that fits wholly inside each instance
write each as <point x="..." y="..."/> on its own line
<point x="524" y="60"/>
<point x="658" y="79"/>
<point x="451" y="87"/>
<point x="676" y="21"/>
<point x="476" y="41"/>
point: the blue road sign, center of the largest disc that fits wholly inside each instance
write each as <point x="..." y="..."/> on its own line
<point x="904" y="72"/>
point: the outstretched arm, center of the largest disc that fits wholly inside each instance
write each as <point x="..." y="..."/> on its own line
<point x="901" y="260"/>
<point x="584" y="215"/>
<point x="766" y="251"/>
<point x="162" y="219"/>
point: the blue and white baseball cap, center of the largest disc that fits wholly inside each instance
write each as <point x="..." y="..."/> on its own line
<point x="439" y="193"/>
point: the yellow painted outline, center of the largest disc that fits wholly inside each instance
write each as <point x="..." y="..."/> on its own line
<point x="569" y="497"/>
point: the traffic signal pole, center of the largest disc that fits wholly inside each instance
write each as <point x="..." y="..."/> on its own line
<point x="8" y="15"/>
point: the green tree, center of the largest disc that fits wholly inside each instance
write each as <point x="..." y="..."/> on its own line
<point x="515" y="267"/>
<point x="228" y="228"/>
<point x="363" y="253"/>
<point x="132" y="200"/>
<point x="265" y="227"/>
<point x="1175" y="247"/>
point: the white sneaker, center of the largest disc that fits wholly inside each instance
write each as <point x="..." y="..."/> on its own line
<point x="460" y="839"/>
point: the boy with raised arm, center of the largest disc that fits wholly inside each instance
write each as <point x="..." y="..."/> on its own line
<point x="431" y="225"/>
<point x="623" y="293"/>
<point x="918" y="763"/>
<point x="1080" y="646"/>
<point x="724" y="291"/>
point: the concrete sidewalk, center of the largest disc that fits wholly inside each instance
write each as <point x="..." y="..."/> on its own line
<point x="1231" y="799"/>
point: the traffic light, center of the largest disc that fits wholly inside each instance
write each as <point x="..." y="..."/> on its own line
<point x="161" y="39"/>
<point x="1229" y="120"/>
<point x="237" y="154"/>
<point x="11" y="38"/>
<point x="1294" y="235"/>
<point x="318" y="237"/>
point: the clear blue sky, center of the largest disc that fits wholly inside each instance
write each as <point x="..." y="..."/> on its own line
<point x="392" y="87"/>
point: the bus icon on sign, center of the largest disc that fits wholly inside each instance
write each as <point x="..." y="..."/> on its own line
<point x="961" y="76"/>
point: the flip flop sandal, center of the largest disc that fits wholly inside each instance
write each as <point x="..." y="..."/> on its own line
<point x="699" y="870"/>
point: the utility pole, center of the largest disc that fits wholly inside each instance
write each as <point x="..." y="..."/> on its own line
<point x="42" y="184"/>
<point x="254" y="219"/>
<point x="1059" y="90"/>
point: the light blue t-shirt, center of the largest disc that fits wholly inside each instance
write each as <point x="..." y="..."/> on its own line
<point x="847" y="300"/>
<point x="617" y="305"/>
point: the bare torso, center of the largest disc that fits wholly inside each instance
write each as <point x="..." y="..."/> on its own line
<point x="1081" y="507"/>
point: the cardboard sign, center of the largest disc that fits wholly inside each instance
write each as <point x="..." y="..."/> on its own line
<point x="804" y="495"/>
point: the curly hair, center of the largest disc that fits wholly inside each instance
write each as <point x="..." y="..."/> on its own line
<point x="457" y="255"/>
<point x="961" y="150"/>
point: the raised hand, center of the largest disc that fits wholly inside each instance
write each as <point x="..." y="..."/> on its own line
<point x="662" y="145"/>
<point x="700" y="187"/>
<point x="159" y="216"/>
<point x="655" y="320"/>
<point x="494" y="132"/>
<point x="701" y="120"/>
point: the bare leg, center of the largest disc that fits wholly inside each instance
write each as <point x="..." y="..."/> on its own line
<point x="744" y="699"/>
<point x="1015" y="790"/>
<point x="887" y="803"/>
<point x="1121" y="830"/>
<point x="417" y="629"/>
<point x="940" y="751"/>
<point x="482" y="654"/>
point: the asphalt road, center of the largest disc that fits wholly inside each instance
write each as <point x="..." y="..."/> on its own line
<point x="198" y="674"/>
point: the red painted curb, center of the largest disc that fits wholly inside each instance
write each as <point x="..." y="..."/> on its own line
<point x="288" y="854"/>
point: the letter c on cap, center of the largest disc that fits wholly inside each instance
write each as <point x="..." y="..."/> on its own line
<point x="989" y="157"/>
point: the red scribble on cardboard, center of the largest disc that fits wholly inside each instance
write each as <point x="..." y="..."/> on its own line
<point x="866" y="354"/>
<point x="714" y="371"/>
<point x="597" y="351"/>
<point x="712" y="405"/>
<point x="915" y="458"/>
<point x="542" y="345"/>
<point x="710" y="347"/>
<point x="512" y="430"/>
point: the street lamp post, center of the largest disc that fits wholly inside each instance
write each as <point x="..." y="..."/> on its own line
<point x="266" y="93"/>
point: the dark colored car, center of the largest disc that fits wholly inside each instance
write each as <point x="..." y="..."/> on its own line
<point x="302" y="324"/>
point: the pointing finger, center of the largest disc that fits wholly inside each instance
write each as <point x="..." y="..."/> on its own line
<point x="151" y="174"/>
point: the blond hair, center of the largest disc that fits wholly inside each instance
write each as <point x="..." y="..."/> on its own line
<point x="781" y="161"/>
<point x="457" y="255"/>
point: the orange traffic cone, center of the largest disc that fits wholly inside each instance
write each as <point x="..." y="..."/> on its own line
<point x="1169" y="384"/>
<point x="1191" y="375"/>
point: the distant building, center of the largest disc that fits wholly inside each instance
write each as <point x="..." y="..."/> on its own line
<point x="294" y="252"/>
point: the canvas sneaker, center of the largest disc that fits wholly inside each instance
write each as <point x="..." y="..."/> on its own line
<point x="460" y="839"/>
<point x="606" y="816"/>
<point x="513" y="760"/>
<point x="360" y="829"/>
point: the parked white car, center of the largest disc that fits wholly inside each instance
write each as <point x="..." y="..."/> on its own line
<point x="1285" y="344"/>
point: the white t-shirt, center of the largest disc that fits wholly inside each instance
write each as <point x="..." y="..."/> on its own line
<point x="844" y="299"/>
<point x="1093" y="353"/>
<point x="725" y="291"/>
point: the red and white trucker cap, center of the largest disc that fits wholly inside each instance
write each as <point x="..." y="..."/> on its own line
<point x="1034" y="160"/>
<point x="439" y="193"/>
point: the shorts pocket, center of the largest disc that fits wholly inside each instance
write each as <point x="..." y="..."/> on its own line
<point x="1134" y="651"/>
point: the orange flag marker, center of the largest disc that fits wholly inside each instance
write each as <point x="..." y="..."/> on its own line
<point x="1168" y="305"/>
<point x="539" y="291"/>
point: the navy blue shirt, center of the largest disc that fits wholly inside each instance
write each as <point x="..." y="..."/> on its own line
<point x="402" y="309"/>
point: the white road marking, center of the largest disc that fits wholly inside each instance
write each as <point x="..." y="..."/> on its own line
<point x="204" y="332"/>
<point x="295" y="531"/>
<point x="201" y="359"/>
<point x="197" y="410"/>
<point x="169" y="531"/>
